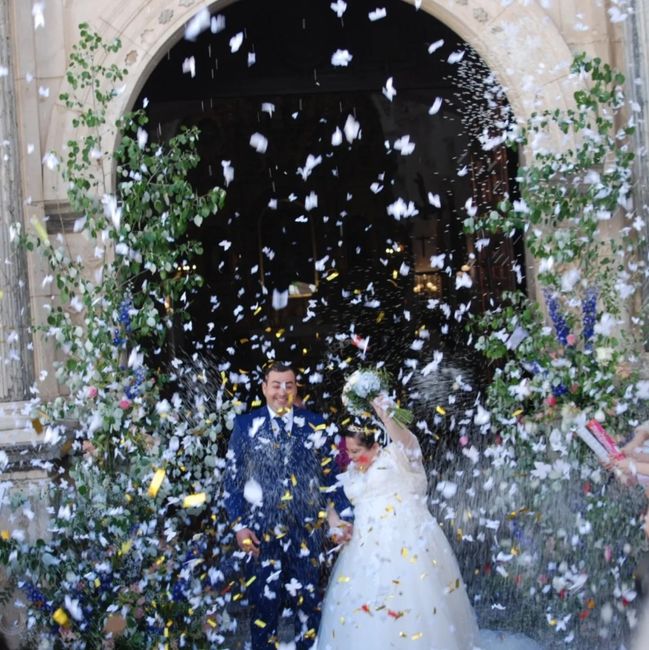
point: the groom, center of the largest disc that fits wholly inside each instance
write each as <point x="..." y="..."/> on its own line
<point x="280" y="469"/>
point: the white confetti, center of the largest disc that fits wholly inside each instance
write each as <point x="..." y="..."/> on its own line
<point x="463" y="279"/>
<point x="311" y="201"/>
<point x="235" y="42"/>
<point x="400" y="209"/>
<point x="389" y="90"/>
<point x="142" y="137"/>
<point x="569" y="279"/>
<point x="37" y="12"/>
<point x="189" y="65"/>
<point x="228" y="172"/>
<point x="437" y="261"/>
<point x="434" y="200"/>
<point x="455" y="57"/>
<point x="268" y="107"/>
<point x="217" y="24"/>
<point x="198" y="24"/>
<point x="253" y="493"/>
<point x="437" y="104"/>
<point x="50" y="160"/>
<point x="352" y="128"/>
<point x="341" y="58"/>
<point x="470" y="208"/>
<point x="447" y="488"/>
<point x="435" y="46"/>
<point x="377" y="14"/>
<point x="339" y="7"/>
<point x="112" y="210"/>
<point x="280" y="299"/>
<point x="404" y="145"/>
<point x="337" y="137"/>
<point x="311" y="162"/>
<point x="259" y="142"/>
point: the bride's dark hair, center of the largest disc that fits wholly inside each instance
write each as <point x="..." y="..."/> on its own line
<point x="363" y="435"/>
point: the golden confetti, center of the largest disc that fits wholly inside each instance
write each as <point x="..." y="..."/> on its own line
<point x="256" y="403"/>
<point x="325" y="461"/>
<point x="310" y="633"/>
<point x="287" y="496"/>
<point x="125" y="547"/>
<point x="404" y="552"/>
<point x="260" y="623"/>
<point x="293" y="480"/>
<point x="517" y="412"/>
<point x="332" y="276"/>
<point x="156" y="482"/>
<point x="343" y="579"/>
<point x="4" y="534"/>
<point x="380" y="317"/>
<point x="60" y="617"/>
<point x="211" y="622"/>
<point x="37" y="425"/>
<point x="250" y="581"/>
<point x="194" y="500"/>
<point x="416" y="637"/>
<point x="40" y="231"/>
<point x="441" y="410"/>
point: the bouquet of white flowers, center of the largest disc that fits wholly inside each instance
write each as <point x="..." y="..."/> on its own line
<point x="365" y="385"/>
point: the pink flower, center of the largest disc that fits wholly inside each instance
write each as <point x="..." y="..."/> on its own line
<point x="551" y="400"/>
<point x="125" y="403"/>
<point x="571" y="339"/>
<point x="92" y="392"/>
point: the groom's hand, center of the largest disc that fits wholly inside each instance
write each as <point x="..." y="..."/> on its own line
<point x="248" y="542"/>
<point x="342" y="533"/>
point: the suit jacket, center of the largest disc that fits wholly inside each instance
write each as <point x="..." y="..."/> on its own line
<point x="295" y="471"/>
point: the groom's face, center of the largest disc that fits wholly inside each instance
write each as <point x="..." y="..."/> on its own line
<point x="280" y="390"/>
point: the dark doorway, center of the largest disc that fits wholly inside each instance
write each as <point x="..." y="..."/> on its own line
<point x="344" y="214"/>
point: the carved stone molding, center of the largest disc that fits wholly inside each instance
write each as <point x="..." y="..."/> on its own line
<point x="16" y="363"/>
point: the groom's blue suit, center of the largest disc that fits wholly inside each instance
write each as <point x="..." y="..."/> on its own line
<point x="296" y="473"/>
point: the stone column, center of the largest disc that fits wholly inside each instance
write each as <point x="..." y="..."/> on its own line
<point x="16" y="363"/>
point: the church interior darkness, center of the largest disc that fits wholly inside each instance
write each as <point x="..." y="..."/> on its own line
<point x="304" y="247"/>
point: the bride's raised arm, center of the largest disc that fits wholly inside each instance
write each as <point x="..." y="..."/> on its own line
<point x="396" y="431"/>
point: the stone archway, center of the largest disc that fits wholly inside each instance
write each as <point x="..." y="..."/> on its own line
<point x="534" y="70"/>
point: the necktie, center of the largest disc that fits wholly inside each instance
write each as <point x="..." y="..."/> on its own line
<point x="281" y="425"/>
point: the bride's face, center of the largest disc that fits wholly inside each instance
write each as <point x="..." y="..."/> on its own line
<point x="360" y="454"/>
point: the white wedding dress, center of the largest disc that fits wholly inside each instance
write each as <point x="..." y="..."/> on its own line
<point x="397" y="580"/>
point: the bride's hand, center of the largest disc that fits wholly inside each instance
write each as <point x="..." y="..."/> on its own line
<point x="381" y="405"/>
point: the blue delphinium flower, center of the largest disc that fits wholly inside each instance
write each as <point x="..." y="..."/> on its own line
<point x="558" y="319"/>
<point x="589" y="314"/>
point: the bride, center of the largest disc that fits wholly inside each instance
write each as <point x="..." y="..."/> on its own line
<point x="397" y="579"/>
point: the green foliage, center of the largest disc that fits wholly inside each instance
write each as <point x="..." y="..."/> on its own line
<point x="123" y="553"/>
<point x="552" y="375"/>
